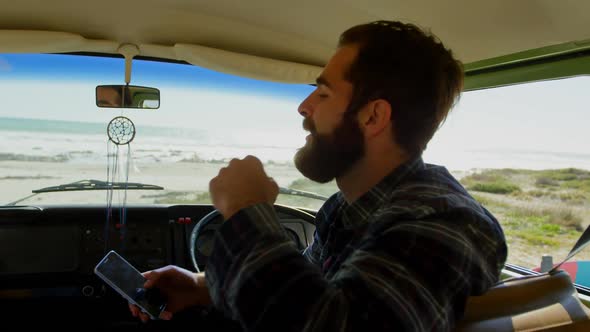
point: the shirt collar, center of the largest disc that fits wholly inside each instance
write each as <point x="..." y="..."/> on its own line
<point x="358" y="213"/>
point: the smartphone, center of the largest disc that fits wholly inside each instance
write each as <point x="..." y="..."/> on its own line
<point x="128" y="281"/>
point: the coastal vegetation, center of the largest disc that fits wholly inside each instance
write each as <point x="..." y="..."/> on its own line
<point x="541" y="211"/>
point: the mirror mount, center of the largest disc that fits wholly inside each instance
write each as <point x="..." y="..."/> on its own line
<point x="128" y="51"/>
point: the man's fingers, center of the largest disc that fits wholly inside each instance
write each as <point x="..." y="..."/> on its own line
<point x="149" y="283"/>
<point x="253" y="159"/>
<point x="233" y="162"/>
<point x="274" y="190"/>
<point x="274" y="186"/>
<point x="166" y="315"/>
<point x="134" y="310"/>
<point x="152" y="277"/>
<point x="144" y="317"/>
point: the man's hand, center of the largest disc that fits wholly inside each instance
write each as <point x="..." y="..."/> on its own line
<point x="241" y="184"/>
<point x="181" y="288"/>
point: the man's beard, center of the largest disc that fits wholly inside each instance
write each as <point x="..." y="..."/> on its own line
<point x="328" y="156"/>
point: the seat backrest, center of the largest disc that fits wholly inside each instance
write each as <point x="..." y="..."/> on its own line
<point x="547" y="301"/>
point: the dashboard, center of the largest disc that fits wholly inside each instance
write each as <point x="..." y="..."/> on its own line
<point x="48" y="253"/>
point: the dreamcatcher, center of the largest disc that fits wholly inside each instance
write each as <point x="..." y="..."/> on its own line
<point x="121" y="132"/>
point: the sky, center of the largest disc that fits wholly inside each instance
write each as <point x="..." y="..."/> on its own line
<point x="549" y="115"/>
<point x="104" y="70"/>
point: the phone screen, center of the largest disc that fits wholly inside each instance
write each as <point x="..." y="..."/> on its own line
<point x="128" y="281"/>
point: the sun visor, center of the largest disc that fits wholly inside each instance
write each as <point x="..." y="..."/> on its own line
<point x="247" y="65"/>
<point x="35" y="41"/>
<point x="29" y="41"/>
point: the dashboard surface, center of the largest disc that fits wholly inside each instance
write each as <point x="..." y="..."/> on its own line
<point x="48" y="255"/>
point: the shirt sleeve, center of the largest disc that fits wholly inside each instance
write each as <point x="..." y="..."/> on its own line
<point x="313" y="251"/>
<point x="404" y="276"/>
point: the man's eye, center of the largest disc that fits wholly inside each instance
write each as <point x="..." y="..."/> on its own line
<point x="323" y="95"/>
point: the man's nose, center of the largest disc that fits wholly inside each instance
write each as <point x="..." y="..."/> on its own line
<point x="304" y="109"/>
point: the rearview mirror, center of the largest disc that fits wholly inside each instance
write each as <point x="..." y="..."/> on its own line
<point x="127" y="96"/>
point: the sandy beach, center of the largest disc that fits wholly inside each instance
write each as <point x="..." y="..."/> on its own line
<point x="19" y="178"/>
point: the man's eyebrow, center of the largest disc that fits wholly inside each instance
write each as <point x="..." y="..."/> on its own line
<point x="323" y="81"/>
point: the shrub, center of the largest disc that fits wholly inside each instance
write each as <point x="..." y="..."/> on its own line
<point x="498" y="187"/>
<point x="546" y="182"/>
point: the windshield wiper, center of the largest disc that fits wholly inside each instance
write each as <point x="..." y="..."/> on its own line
<point x="295" y="192"/>
<point x="85" y="185"/>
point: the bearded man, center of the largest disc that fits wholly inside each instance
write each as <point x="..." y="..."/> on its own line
<point x="401" y="245"/>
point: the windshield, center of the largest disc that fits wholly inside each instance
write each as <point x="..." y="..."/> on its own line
<point x="52" y="132"/>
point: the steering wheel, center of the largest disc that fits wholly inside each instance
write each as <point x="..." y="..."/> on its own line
<point x="213" y="215"/>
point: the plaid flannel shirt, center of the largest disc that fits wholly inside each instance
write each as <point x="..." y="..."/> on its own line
<point x="404" y="257"/>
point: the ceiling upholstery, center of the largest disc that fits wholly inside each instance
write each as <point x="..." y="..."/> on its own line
<point x="304" y="31"/>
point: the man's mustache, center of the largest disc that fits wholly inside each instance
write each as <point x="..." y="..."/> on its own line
<point x="308" y="125"/>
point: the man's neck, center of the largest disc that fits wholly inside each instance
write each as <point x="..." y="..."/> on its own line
<point x="368" y="172"/>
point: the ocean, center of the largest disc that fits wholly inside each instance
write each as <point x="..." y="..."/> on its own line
<point x="84" y="142"/>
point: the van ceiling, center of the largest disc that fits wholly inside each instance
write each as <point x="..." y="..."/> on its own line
<point x="305" y="31"/>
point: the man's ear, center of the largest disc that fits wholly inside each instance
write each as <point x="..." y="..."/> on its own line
<point x="375" y="117"/>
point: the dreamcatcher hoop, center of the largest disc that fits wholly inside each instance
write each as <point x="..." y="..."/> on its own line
<point x="121" y="130"/>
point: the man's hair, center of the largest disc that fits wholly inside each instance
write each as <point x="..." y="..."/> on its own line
<point x="409" y="68"/>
